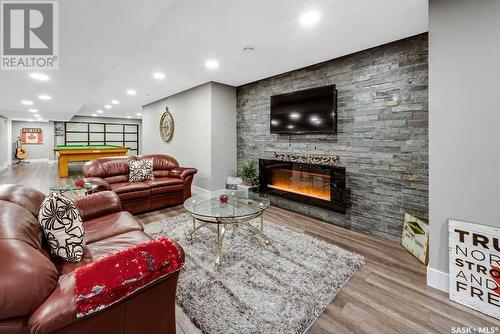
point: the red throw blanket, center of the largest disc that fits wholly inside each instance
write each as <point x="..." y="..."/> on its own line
<point x="110" y="279"/>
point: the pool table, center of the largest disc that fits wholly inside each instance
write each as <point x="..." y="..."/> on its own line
<point x="69" y="153"/>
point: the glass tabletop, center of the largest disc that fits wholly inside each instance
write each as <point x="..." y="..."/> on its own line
<point x="69" y="187"/>
<point x="239" y="204"/>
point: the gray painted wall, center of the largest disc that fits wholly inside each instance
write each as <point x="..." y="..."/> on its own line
<point x="35" y="151"/>
<point x="223" y="134"/>
<point x="4" y="143"/>
<point x="382" y="132"/>
<point x="198" y="140"/>
<point x="464" y="118"/>
<point x="190" y="144"/>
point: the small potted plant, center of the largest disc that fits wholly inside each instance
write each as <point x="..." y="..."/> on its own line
<point x="248" y="173"/>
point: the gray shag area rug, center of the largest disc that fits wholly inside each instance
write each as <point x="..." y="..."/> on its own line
<point x="280" y="288"/>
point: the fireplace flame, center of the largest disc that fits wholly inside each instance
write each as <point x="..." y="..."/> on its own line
<point x="302" y="183"/>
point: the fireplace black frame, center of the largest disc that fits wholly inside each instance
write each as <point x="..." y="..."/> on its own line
<point x="338" y="191"/>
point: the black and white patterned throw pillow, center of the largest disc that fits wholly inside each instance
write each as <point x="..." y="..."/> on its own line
<point x="140" y="170"/>
<point x="63" y="227"/>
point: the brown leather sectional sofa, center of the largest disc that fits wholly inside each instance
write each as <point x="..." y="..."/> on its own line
<point x="37" y="291"/>
<point x="171" y="184"/>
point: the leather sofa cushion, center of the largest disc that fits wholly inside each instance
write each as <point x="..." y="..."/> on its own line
<point x="104" y="167"/>
<point x="161" y="173"/>
<point x="19" y="224"/>
<point x="27" y="277"/>
<point x="129" y="191"/>
<point x="98" y="204"/>
<point x="160" y="161"/>
<point x="136" y="195"/>
<point x="163" y="181"/>
<point x="104" y="247"/>
<point x="29" y="198"/>
<point x="116" y="179"/>
<point x="14" y="326"/>
<point x="109" y="226"/>
<point x="127" y="187"/>
<point x="167" y="189"/>
<point x="115" y="167"/>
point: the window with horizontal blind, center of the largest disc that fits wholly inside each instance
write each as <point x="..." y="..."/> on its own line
<point x="84" y="133"/>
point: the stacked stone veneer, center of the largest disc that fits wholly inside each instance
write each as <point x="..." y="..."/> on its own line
<point x="382" y="137"/>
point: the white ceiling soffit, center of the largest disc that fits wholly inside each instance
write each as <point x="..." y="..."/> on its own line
<point x="109" y="46"/>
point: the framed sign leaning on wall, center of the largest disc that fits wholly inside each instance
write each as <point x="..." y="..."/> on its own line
<point x="416" y="237"/>
<point x="475" y="266"/>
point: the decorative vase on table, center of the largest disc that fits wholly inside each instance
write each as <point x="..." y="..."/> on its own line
<point x="223" y="198"/>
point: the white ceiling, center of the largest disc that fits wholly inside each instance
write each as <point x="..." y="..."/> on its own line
<point x="108" y="46"/>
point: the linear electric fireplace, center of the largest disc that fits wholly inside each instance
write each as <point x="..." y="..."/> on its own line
<point x="317" y="185"/>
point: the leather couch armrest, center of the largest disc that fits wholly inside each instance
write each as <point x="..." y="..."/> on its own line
<point x="98" y="204"/>
<point x="182" y="172"/>
<point x="97" y="183"/>
<point x="152" y="304"/>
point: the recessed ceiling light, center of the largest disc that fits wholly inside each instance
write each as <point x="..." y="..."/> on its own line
<point x="44" y="97"/>
<point x="39" y="76"/>
<point x="291" y="126"/>
<point x="275" y="122"/>
<point x="33" y="110"/>
<point x="212" y="64"/>
<point x="139" y="114"/>
<point x="294" y="115"/>
<point x="159" y="75"/>
<point x="115" y="101"/>
<point x="94" y="115"/>
<point x="99" y="111"/>
<point x="108" y="106"/>
<point x="27" y="102"/>
<point x="309" y="18"/>
<point x="129" y="116"/>
<point x="36" y="115"/>
<point x="131" y="92"/>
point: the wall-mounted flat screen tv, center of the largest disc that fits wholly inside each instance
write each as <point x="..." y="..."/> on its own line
<point x="307" y="111"/>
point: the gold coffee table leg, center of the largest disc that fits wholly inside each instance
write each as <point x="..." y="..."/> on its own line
<point x="189" y="237"/>
<point x="257" y="231"/>
<point x="221" y="231"/>
<point x="220" y="239"/>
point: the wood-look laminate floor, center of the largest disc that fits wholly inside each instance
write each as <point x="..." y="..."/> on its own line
<point x="387" y="295"/>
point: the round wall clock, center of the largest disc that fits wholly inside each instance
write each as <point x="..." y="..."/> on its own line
<point x="166" y="126"/>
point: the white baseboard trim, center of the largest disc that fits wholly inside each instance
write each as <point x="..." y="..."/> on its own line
<point x="200" y="191"/>
<point x="438" y="279"/>
<point x="41" y="160"/>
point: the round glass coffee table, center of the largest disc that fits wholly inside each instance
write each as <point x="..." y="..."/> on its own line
<point x="240" y="209"/>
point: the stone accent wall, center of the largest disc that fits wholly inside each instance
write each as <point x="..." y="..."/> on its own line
<point x="382" y="137"/>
